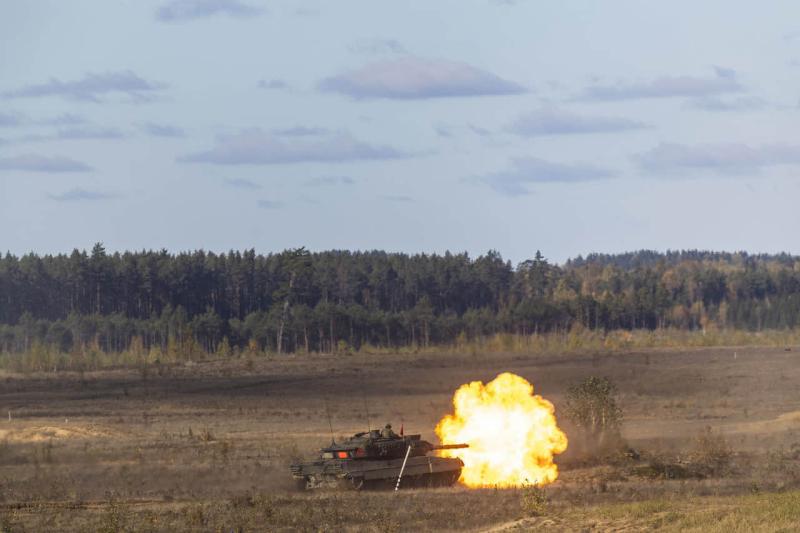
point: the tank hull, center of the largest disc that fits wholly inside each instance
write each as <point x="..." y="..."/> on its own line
<point x="423" y="471"/>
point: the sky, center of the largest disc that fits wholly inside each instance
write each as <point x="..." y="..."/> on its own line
<point x="569" y="127"/>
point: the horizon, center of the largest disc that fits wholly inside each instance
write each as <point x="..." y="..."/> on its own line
<point x="513" y="261"/>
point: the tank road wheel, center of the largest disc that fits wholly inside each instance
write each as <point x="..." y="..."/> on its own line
<point x="407" y="482"/>
<point x="440" y="479"/>
<point x="453" y="478"/>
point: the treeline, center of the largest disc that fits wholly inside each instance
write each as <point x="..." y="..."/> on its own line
<point x="339" y="300"/>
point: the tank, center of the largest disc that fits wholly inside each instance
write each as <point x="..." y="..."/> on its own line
<point x="374" y="460"/>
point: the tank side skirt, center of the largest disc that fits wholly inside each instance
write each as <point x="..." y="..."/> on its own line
<point x="420" y="466"/>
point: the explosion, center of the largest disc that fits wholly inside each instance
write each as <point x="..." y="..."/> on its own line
<point x="512" y="433"/>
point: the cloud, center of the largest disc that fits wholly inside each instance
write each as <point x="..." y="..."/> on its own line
<point x="301" y="131"/>
<point x="792" y="35"/>
<point x="732" y="158"/>
<point x="65" y="119"/>
<point x="526" y="171"/>
<point x="378" y="46"/>
<point x="74" y="134"/>
<point x="305" y="12"/>
<point x="443" y="130"/>
<point x="551" y="121"/>
<point x="241" y="183"/>
<point x="409" y="78"/>
<point x="477" y="130"/>
<point x="162" y="130"/>
<point x="724" y="82"/>
<point x="257" y="147"/>
<point x="11" y="120"/>
<point x="330" y="181"/>
<point x="89" y="133"/>
<point x="714" y="103"/>
<point x="273" y="84"/>
<point x="397" y="198"/>
<point x="40" y="163"/>
<point x="308" y="199"/>
<point x="725" y="72"/>
<point x="182" y="10"/>
<point x="450" y="130"/>
<point x="92" y="87"/>
<point x="270" y="204"/>
<point x="78" y="195"/>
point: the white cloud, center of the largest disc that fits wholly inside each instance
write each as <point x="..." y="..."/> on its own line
<point x="92" y="87"/>
<point x="330" y="181"/>
<point x="40" y="163"/>
<point x="162" y="130"/>
<point x="11" y="120"/>
<point x="676" y="160"/>
<point x="273" y="84"/>
<point x="270" y="204"/>
<point x="398" y="198"/>
<point x="257" y="147"/>
<point x="409" y="77"/>
<point x="551" y="121"/>
<point x="526" y="171"/>
<point x="378" y="47"/>
<point x="715" y="103"/>
<point x="241" y="183"/>
<point x="78" y="195"/>
<point x="725" y="81"/>
<point x="182" y="10"/>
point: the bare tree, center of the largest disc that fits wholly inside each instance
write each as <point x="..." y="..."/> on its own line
<point x="592" y="406"/>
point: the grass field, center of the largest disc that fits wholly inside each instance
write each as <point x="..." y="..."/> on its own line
<point x="205" y="446"/>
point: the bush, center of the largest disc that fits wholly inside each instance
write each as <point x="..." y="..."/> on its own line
<point x="711" y="455"/>
<point x="533" y="501"/>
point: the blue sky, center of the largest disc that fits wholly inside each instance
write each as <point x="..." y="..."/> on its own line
<point x="419" y="126"/>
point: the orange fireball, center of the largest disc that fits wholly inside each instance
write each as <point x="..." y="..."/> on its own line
<point x="512" y="433"/>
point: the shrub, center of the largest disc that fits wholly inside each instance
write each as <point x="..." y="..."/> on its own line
<point x="711" y="455"/>
<point x="206" y="435"/>
<point x="533" y="501"/>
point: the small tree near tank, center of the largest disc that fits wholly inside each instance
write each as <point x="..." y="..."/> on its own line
<point x="592" y="406"/>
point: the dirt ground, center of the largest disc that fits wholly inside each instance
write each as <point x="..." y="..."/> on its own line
<point x="206" y="446"/>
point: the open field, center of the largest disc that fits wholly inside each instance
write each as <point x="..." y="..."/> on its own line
<point x="205" y="446"/>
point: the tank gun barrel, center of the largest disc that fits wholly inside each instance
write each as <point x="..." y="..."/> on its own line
<point x="450" y="446"/>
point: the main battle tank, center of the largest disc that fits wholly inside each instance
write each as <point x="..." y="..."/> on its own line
<point x="374" y="459"/>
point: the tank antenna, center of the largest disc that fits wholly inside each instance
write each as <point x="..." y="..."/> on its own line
<point x="330" y="424"/>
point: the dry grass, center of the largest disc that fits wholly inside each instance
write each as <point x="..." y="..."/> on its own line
<point x="733" y="514"/>
<point x="578" y="340"/>
<point x="205" y="446"/>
